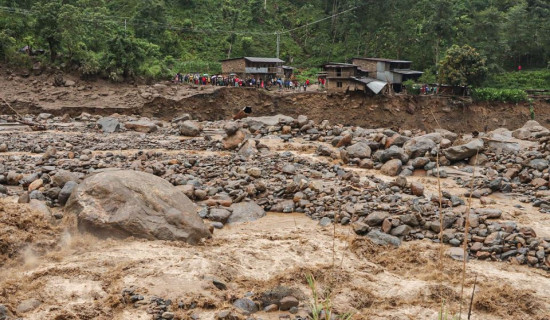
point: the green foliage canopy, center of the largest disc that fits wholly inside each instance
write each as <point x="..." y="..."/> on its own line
<point x="462" y="66"/>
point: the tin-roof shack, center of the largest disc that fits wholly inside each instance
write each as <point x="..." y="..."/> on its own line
<point x="391" y="71"/>
<point x="348" y="77"/>
<point x="256" y="67"/>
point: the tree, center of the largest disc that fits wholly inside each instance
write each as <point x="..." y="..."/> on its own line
<point x="462" y="66"/>
<point x="47" y="24"/>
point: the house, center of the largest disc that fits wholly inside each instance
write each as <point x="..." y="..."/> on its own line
<point x="348" y="77"/>
<point x="391" y="71"/>
<point x="253" y="67"/>
<point x="338" y="75"/>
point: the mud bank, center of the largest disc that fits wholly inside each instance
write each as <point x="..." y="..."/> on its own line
<point x="405" y="112"/>
<point x="397" y="112"/>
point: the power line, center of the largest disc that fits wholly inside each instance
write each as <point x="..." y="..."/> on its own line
<point x="141" y="22"/>
<point x="137" y="22"/>
<point x="320" y="20"/>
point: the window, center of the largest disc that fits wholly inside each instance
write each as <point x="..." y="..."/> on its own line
<point x="339" y="84"/>
<point x="339" y="72"/>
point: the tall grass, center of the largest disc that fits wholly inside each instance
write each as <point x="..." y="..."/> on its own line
<point x="321" y="307"/>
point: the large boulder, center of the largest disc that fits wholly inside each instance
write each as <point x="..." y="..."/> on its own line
<point x="391" y="168"/>
<point x="144" y="126"/>
<point x="531" y="129"/>
<point x="245" y="211"/>
<point x="190" y="128"/>
<point x="269" y="120"/>
<point x="109" y="124"/>
<point x="394" y="152"/>
<point x="383" y="239"/>
<point x="463" y="151"/>
<point x="234" y="140"/>
<point x="418" y="147"/>
<point x="131" y="203"/>
<point x="501" y="141"/>
<point x="359" y="150"/>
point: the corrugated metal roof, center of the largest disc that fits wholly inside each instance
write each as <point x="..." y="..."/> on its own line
<point x="383" y="60"/>
<point x="364" y="80"/>
<point x="374" y="85"/>
<point x="339" y="64"/>
<point x="407" y="71"/>
<point x="266" y="60"/>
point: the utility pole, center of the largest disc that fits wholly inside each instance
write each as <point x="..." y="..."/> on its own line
<point x="265" y="4"/>
<point x="278" y="42"/>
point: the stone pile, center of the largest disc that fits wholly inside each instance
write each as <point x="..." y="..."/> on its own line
<point x="235" y="171"/>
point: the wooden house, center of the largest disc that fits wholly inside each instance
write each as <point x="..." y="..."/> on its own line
<point x="253" y="67"/>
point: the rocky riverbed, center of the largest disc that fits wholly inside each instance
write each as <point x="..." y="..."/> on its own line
<point x="365" y="205"/>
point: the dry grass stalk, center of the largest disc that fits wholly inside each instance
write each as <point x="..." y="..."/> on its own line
<point x="440" y="216"/>
<point x="472" y="298"/>
<point x="466" y="233"/>
<point x="440" y="228"/>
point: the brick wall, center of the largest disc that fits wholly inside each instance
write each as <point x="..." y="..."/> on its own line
<point x="332" y="84"/>
<point x="365" y="64"/>
<point x="233" y="66"/>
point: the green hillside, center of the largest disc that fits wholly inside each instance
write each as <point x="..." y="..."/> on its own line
<point x="124" y="38"/>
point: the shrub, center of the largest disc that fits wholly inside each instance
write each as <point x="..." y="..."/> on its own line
<point x="412" y="87"/>
<point x="535" y="79"/>
<point x="503" y="95"/>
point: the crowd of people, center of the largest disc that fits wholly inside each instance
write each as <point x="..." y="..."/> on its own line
<point x="235" y="81"/>
<point x="426" y="89"/>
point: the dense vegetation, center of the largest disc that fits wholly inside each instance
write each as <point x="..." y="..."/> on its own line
<point x="503" y="95"/>
<point x="124" y="38"/>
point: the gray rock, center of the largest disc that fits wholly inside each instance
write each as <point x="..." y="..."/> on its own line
<point x="245" y="211"/>
<point x="394" y="152"/>
<point x="5" y="313"/>
<point x="28" y="305"/>
<point x="230" y="128"/>
<point x="248" y="149"/>
<point x="538" y="164"/>
<point x="359" y="150"/>
<point x="62" y="177"/>
<point x="109" y="124"/>
<point x="417" y="147"/>
<point x="446" y="134"/>
<point x="401" y="231"/>
<point x="217" y="225"/>
<point x="391" y="168"/>
<point x="190" y="128"/>
<point x="219" y="214"/>
<point x="409" y="219"/>
<point x="132" y="203"/>
<point x="375" y="218"/>
<point x="287" y="303"/>
<point x="246" y="306"/>
<point x="41" y="207"/>
<point x="325" y="221"/>
<point x="489" y="213"/>
<point x="270" y="120"/>
<point x="66" y="192"/>
<point x="383" y="239"/>
<point x="464" y="151"/>
<point x="289" y="169"/>
<point x="456" y="253"/>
